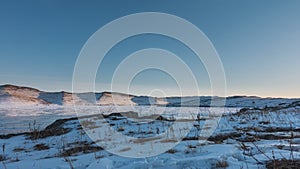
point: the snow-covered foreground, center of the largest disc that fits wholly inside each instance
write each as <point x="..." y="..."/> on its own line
<point x="250" y="138"/>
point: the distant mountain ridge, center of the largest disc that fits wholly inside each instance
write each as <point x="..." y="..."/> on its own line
<point x="11" y="95"/>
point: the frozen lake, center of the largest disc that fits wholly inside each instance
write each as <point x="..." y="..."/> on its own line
<point x="21" y="119"/>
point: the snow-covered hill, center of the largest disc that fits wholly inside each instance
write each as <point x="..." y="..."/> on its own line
<point x="22" y="96"/>
<point x="11" y="95"/>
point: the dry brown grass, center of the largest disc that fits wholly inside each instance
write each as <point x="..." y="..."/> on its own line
<point x="283" y="164"/>
<point x="169" y="141"/>
<point x="18" y="149"/>
<point x="172" y="151"/>
<point x="125" y="149"/>
<point x="54" y="129"/>
<point x="222" y="164"/>
<point x="40" y="147"/>
<point x="217" y="139"/>
<point x="80" y="149"/>
<point x="120" y="129"/>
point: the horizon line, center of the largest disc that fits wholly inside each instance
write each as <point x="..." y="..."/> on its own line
<point x="138" y="95"/>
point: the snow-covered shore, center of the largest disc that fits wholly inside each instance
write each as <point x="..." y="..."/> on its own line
<point x="250" y="138"/>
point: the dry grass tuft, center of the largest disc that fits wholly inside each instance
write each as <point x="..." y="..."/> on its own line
<point x="19" y="149"/>
<point x="172" y="151"/>
<point x="80" y="149"/>
<point x="40" y="147"/>
<point x="222" y="164"/>
<point x="2" y="158"/>
<point x="125" y="149"/>
<point x="283" y="164"/>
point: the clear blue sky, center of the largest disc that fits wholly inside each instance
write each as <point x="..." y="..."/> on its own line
<point x="258" y="43"/>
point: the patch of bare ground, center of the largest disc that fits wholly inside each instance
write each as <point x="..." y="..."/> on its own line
<point x="40" y="147"/>
<point x="270" y="136"/>
<point x="80" y="149"/>
<point x="283" y="164"/>
<point x="218" y="139"/>
<point x="54" y="129"/>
